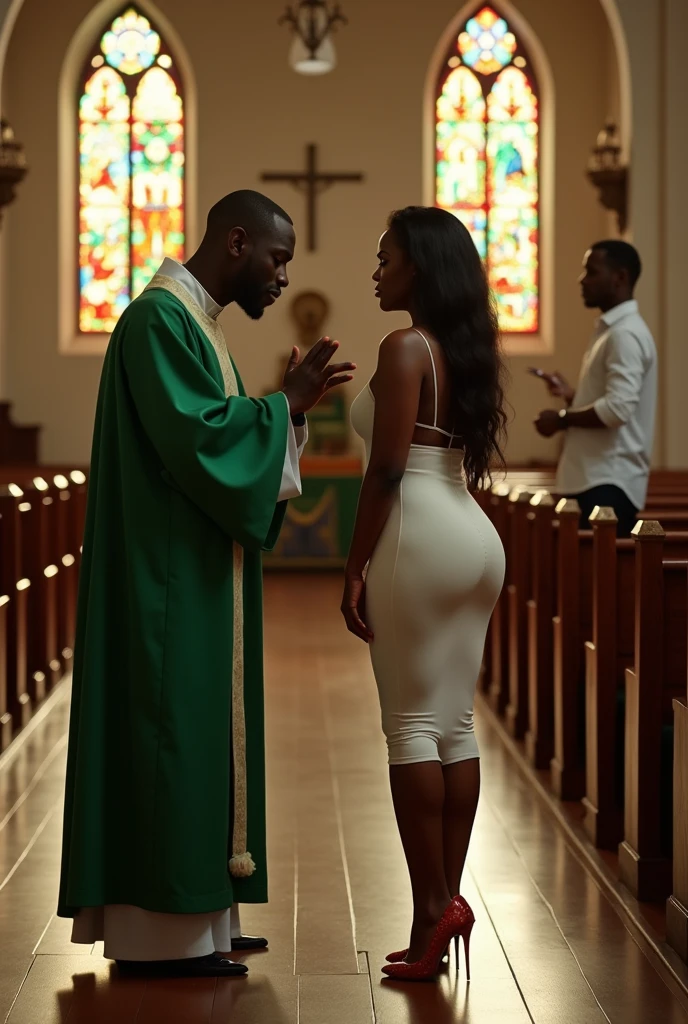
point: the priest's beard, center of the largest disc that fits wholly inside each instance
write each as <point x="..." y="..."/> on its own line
<point x="251" y="295"/>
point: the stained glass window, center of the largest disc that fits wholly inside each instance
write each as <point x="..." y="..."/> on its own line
<point x="487" y="159"/>
<point x="131" y="168"/>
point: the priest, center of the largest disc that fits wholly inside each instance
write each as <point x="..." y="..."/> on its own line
<point x="164" y="828"/>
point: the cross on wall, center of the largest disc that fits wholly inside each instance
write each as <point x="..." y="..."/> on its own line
<point x="312" y="182"/>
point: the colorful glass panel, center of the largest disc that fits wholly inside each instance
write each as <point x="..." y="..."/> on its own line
<point x="103" y="201"/>
<point x="486" y="44"/>
<point x="512" y="98"/>
<point x="487" y="153"/>
<point x="157" y="177"/>
<point x="130" y="45"/>
<point x="476" y="222"/>
<point x="513" y="266"/>
<point x="461" y="156"/>
<point x="131" y="180"/>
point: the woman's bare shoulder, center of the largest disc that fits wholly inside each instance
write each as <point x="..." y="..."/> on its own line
<point x="405" y="343"/>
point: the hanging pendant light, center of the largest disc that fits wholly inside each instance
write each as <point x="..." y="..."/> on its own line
<point x="312" y="51"/>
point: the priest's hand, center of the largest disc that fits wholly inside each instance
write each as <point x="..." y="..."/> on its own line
<point x="307" y="380"/>
<point x="353" y="607"/>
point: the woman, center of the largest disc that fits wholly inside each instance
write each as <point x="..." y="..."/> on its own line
<point x="431" y="417"/>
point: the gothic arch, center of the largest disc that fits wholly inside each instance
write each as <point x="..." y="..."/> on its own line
<point x="623" y="59"/>
<point x="515" y="344"/>
<point x="71" y="342"/>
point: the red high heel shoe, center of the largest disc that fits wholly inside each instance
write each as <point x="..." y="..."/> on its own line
<point x="457" y="921"/>
<point x="397" y="958"/>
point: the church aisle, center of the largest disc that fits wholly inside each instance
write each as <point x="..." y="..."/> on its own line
<point x="548" y="948"/>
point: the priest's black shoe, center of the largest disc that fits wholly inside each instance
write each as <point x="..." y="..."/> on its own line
<point x="248" y="942"/>
<point x="212" y="966"/>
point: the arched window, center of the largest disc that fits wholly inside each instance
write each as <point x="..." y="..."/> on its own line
<point x="131" y="168"/>
<point x="487" y="159"/>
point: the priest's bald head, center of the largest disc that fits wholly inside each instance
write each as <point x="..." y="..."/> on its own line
<point x="248" y="242"/>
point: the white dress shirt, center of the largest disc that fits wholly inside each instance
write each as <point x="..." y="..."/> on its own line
<point x="619" y="379"/>
<point x="296" y="436"/>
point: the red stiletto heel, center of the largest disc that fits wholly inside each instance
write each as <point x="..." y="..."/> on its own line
<point x="456" y="920"/>
<point x="400" y="955"/>
<point x="466" y="943"/>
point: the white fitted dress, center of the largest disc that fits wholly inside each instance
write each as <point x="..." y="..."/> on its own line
<point x="431" y="586"/>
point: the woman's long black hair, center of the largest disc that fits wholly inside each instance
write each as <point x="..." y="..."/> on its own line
<point x="452" y="299"/>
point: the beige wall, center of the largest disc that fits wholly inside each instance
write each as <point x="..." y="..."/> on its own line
<point x="256" y="114"/>
<point x="675" y="229"/>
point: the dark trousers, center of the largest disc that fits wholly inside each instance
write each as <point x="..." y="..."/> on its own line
<point x="609" y="496"/>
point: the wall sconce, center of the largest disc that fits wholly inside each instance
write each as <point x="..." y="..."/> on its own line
<point x="608" y="175"/>
<point x="12" y="165"/>
<point x="312" y="52"/>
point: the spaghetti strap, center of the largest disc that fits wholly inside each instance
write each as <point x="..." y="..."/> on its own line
<point x="434" y="375"/>
<point x="426" y="426"/>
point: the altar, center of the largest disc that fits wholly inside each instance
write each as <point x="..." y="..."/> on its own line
<point x="318" y="525"/>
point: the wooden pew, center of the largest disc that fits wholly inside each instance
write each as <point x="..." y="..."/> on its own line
<point x="41" y="528"/>
<point x="78" y="483"/>
<point x="677" y="904"/>
<point x="571" y="629"/>
<point x="66" y="561"/>
<point x="673" y="500"/>
<point x="518" y="591"/>
<point x="661" y="480"/>
<point x="658" y="675"/>
<point x="499" y="624"/>
<point x="608" y="653"/>
<point x="512" y="657"/>
<point x="668" y="479"/>
<point x="540" y="613"/>
<point x="44" y="665"/>
<point x="672" y="520"/>
<point x="8" y="583"/>
<point x="14" y="584"/>
<point x="483" y="497"/>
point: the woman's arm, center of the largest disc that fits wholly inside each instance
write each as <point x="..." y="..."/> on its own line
<point x="397" y="384"/>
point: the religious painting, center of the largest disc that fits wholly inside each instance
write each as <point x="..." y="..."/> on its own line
<point x="328" y="421"/>
<point x="131" y="168"/>
<point x="487" y="159"/>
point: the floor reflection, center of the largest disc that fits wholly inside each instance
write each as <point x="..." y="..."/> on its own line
<point x="445" y="1001"/>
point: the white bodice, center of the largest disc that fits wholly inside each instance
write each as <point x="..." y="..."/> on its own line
<point x="445" y="463"/>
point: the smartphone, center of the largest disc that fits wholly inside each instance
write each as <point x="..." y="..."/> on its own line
<point x="537" y="372"/>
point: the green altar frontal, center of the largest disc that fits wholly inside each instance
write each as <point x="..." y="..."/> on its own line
<point x="318" y="526"/>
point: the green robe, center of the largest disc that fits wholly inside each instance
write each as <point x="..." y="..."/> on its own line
<point x="182" y="498"/>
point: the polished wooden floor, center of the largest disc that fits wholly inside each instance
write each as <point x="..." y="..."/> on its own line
<point x="547" y="947"/>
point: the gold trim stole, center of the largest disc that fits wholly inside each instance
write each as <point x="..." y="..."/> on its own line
<point x="241" y="863"/>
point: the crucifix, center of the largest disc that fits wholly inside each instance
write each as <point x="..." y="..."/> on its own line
<point x="312" y="182"/>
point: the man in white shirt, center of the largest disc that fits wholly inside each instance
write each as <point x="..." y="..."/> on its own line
<point x="610" y="416"/>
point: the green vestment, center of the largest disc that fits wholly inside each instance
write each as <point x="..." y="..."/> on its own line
<point x="166" y="775"/>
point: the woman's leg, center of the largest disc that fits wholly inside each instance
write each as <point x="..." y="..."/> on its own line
<point x="419" y="796"/>
<point x="461" y="792"/>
